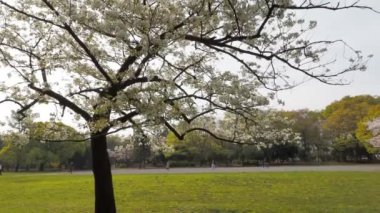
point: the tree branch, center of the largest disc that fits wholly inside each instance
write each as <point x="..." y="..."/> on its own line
<point x="63" y="101"/>
<point x="30" y="15"/>
<point x="81" y="44"/>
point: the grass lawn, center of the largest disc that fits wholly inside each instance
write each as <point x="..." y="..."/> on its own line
<point x="232" y="192"/>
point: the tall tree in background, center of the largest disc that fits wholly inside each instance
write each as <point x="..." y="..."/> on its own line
<point x="61" y="152"/>
<point x="29" y="149"/>
<point x="309" y="125"/>
<point x="141" y="147"/>
<point x="12" y="149"/>
<point x="122" y="63"/>
<point x="342" y="119"/>
<point x="196" y="148"/>
<point x="343" y="116"/>
<point x="368" y="131"/>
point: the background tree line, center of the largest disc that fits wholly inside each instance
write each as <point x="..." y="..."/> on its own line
<point x="337" y="133"/>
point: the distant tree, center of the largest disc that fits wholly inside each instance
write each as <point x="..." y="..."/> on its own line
<point x="122" y="63"/>
<point x="368" y="131"/>
<point x="40" y="157"/>
<point x="343" y="116"/>
<point x="29" y="148"/>
<point x="141" y="147"/>
<point x="119" y="149"/>
<point x="7" y="153"/>
<point x="117" y="140"/>
<point x="342" y="119"/>
<point x="374" y="127"/>
<point x="284" y="152"/>
<point x="309" y="125"/>
<point x="251" y="155"/>
<point x="269" y="129"/>
<point x="12" y="152"/>
<point x="54" y="141"/>
<point x="197" y="148"/>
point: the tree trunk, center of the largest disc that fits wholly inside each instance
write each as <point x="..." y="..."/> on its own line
<point x="41" y="167"/>
<point x="101" y="167"/>
<point x="17" y="166"/>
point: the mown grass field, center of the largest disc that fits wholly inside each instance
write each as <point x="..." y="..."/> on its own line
<point x="232" y="192"/>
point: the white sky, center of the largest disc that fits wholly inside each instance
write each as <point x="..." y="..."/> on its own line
<point x="361" y="30"/>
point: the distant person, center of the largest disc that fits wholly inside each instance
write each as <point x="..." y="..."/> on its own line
<point x="167" y="165"/>
<point x="212" y="164"/>
<point x="1" y="169"/>
<point x="71" y="165"/>
<point x="265" y="163"/>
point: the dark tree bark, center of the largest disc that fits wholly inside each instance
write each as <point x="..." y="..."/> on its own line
<point x="41" y="167"/>
<point x="101" y="167"/>
<point x="17" y="166"/>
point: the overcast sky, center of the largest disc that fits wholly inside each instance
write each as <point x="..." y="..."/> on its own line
<point x="361" y="30"/>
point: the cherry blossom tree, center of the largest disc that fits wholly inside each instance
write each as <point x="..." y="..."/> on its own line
<point x="117" y="64"/>
<point x="374" y="127"/>
<point x="368" y="131"/>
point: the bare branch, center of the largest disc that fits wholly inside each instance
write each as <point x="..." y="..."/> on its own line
<point x="181" y="136"/>
<point x="326" y="6"/>
<point x="63" y="101"/>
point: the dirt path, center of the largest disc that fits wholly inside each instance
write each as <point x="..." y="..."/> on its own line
<point x="364" y="168"/>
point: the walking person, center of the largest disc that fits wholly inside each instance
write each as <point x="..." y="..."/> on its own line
<point x="71" y="166"/>
<point x="1" y="169"/>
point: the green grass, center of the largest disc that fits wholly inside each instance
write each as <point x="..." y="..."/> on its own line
<point x="242" y="192"/>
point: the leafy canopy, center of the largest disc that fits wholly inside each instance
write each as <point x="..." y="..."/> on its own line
<point x="115" y="64"/>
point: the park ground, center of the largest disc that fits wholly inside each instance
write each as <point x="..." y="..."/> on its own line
<point x="273" y="189"/>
